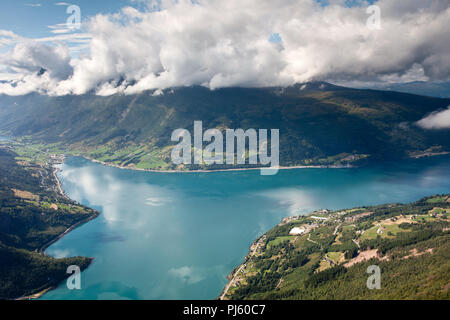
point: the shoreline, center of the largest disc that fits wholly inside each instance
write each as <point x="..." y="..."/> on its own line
<point x="255" y="245"/>
<point x="63" y="156"/>
<point x="108" y="164"/>
<point x="72" y="227"/>
<point x="217" y="170"/>
<point x="66" y="232"/>
<point x="231" y="277"/>
<point x="63" y="194"/>
<point x="429" y="154"/>
<point x="348" y="166"/>
<point x="58" y="183"/>
<point x="36" y="295"/>
<point x="40" y="292"/>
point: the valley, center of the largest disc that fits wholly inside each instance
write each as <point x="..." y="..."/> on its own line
<point x="320" y="124"/>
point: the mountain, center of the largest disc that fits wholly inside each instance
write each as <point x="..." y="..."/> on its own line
<point x="32" y="215"/>
<point x="320" y="123"/>
<point x="431" y="89"/>
<point x="333" y="254"/>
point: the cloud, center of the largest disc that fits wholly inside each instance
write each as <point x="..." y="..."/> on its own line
<point x="218" y="43"/>
<point x="436" y="120"/>
<point x="37" y="65"/>
<point x="31" y="57"/>
<point x="75" y="37"/>
<point x="8" y="38"/>
<point x="156" y="201"/>
<point x="187" y="274"/>
<point x="34" y="67"/>
<point x="296" y="201"/>
<point x="60" y="28"/>
<point x="59" y="253"/>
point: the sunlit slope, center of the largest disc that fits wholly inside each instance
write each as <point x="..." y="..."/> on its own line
<point x="32" y="215"/>
<point x="319" y="123"/>
<point x="329" y="259"/>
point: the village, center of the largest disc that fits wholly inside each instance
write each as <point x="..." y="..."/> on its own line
<point x="326" y="230"/>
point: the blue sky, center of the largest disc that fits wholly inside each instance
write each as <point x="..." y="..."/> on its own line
<point x="31" y="18"/>
<point x="219" y="43"/>
<point x="34" y="19"/>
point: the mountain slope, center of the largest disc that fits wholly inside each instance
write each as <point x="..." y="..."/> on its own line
<point x="330" y="257"/>
<point x="432" y="89"/>
<point x="32" y="215"/>
<point x="319" y="123"/>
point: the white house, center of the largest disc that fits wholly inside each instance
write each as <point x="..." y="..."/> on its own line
<point x="297" y="231"/>
<point x="319" y="218"/>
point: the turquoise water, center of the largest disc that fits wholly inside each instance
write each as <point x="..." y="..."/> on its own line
<point x="177" y="236"/>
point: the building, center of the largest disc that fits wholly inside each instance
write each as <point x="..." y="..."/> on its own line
<point x="319" y="218"/>
<point x="297" y="231"/>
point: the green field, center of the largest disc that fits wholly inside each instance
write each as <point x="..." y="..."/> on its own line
<point x="28" y="223"/>
<point x="135" y="130"/>
<point x="279" y="240"/>
<point x="298" y="270"/>
<point x="437" y="199"/>
<point x="335" y="256"/>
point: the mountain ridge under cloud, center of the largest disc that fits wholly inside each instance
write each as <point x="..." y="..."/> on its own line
<point x="319" y="123"/>
<point x="431" y="89"/>
<point x="174" y="46"/>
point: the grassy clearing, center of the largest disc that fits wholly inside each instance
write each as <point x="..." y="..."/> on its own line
<point x="387" y="230"/>
<point x="25" y="195"/>
<point x="279" y="240"/>
<point x="323" y="266"/>
<point x="439" y="211"/>
<point x="337" y="257"/>
<point x="370" y="233"/>
<point x="437" y="199"/>
<point x="393" y="229"/>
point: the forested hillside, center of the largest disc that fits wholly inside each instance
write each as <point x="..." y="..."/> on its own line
<point x="329" y="257"/>
<point x="32" y="214"/>
<point x="319" y="123"/>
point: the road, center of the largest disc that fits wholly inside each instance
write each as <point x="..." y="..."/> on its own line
<point x="242" y="267"/>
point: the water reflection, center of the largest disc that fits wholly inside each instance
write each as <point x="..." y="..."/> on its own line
<point x="177" y="236"/>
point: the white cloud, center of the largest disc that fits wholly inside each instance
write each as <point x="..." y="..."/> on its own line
<point x="59" y="253"/>
<point x="436" y="120"/>
<point x="8" y="38"/>
<point x="296" y="201"/>
<point x="34" y="67"/>
<point x="31" y="57"/>
<point x="60" y="28"/>
<point x="226" y="43"/>
<point x="187" y="274"/>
